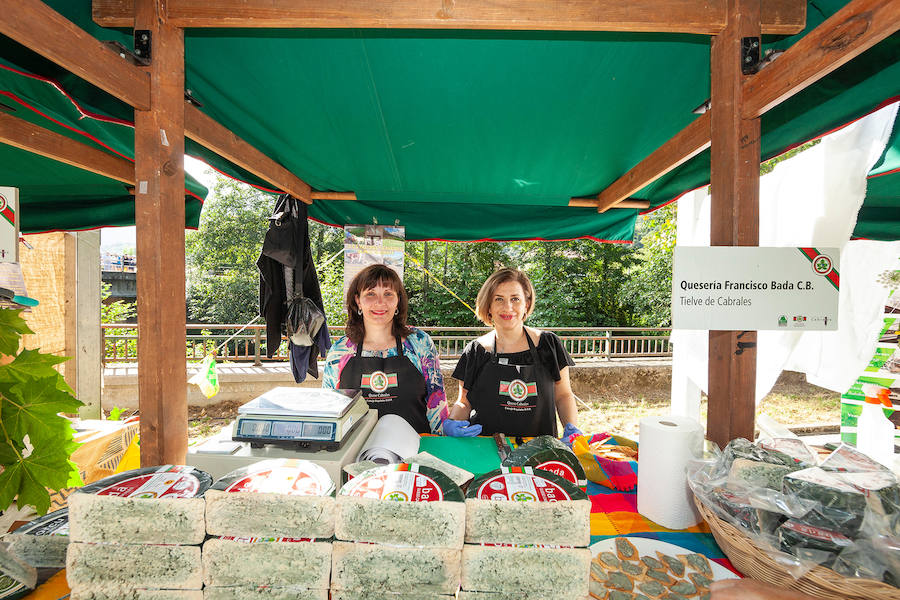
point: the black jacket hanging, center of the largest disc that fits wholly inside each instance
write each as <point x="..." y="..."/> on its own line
<point x="289" y="296"/>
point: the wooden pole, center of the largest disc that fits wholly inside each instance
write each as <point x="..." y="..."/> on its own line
<point x="734" y="181"/>
<point x="159" y="217"/>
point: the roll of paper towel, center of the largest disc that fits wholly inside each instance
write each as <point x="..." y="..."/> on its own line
<point x="665" y="447"/>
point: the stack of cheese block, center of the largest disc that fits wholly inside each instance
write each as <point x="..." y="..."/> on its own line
<point x="276" y="521"/>
<point x="527" y="534"/>
<point x="398" y="535"/>
<point x="137" y="535"/>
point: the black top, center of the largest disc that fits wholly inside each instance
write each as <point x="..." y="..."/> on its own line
<point x="550" y="352"/>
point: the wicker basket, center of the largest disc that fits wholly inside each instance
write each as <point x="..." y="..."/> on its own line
<point x="820" y="581"/>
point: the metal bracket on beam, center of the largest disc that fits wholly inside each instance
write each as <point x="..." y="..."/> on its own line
<point x="750" y="47"/>
<point x="123" y="51"/>
<point x="143" y="44"/>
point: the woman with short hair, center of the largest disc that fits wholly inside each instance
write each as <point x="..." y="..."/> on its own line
<point x="514" y="379"/>
<point x="396" y="366"/>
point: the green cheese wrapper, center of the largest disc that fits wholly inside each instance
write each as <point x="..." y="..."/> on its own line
<point x="837" y="507"/>
<point x="523" y="484"/>
<point x="549" y="454"/>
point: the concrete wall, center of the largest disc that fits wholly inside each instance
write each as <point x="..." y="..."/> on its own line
<point x="243" y="383"/>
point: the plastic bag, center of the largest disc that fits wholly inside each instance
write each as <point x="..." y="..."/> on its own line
<point x="616" y="474"/>
<point x="206" y="377"/>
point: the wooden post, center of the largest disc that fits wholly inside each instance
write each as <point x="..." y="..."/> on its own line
<point x="159" y="216"/>
<point x="734" y="180"/>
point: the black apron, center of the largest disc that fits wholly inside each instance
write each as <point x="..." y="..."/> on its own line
<point x="392" y="385"/>
<point x="514" y="400"/>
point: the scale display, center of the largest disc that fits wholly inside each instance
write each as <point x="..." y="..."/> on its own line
<point x="287" y="430"/>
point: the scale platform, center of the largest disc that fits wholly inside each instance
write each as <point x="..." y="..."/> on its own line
<point x="300" y="418"/>
<point x="220" y="455"/>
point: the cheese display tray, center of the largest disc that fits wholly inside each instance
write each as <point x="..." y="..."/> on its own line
<point x="650" y="547"/>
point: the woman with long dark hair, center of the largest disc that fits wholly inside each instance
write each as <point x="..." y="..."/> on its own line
<point x="396" y="366"/>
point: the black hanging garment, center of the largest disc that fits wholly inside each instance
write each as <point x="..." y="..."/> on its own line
<point x="289" y="297"/>
<point x="517" y="400"/>
<point x="392" y="385"/>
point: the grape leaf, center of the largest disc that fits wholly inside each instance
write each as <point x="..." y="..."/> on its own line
<point x="31" y="409"/>
<point x="48" y="466"/>
<point x="12" y="326"/>
<point x="30" y="365"/>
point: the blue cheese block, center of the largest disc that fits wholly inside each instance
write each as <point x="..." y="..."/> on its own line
<point x="750" y="474"/>
<point x="848" y="459"/>
<point x="370" y="595"/>
<point x="813" y="544"/>
<point x="124" y="593"/>
<point x="549" y="454"/>
<point x="835" y="505"/>
<point x="43" y="541"/>
<point x="882" y="492"/>
<point x="269" y="515"/>
<point x="303" y="564"/>
<point x="380" y="568"/>
<point x="429" y="524"/>
<point x="521" y="505"/>
<point x="257" y="592"/>
<point x="96" y="518"/>
<point x="555" y="572"/>
<point x="133" y="566"/>
<point x="459" y="476"/>
<point x="565" y="523"/>
<point x="13" y="567"/>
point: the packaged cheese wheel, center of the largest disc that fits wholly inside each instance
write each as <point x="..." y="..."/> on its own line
<point x="279" y="476"/>
<point x="166" y="481"/>
<point x="524" y="484"/>
<point x="549" y="454"/>
<point x="404" y="482"/>
<point x="10" y="589"/>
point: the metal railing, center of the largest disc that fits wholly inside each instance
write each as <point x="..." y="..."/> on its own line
<point x="597" y="343"/>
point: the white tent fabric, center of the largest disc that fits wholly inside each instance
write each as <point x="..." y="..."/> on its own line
<point x="811" y="199"/>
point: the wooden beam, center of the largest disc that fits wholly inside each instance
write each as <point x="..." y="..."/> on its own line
<point x="159" y="217"/>
<point x="673" y="16"/>
<point x="850" y="31"/>
<point x="28" y="136"/>
<point x="210" y="134"/>
<point x="333" y="195"/>
<point x="734" y="221"/>
<point x="688" y="143"/>
<point x="40" y="28"/>
<point x="592" y="203"/>
<point x="845" y="35"/>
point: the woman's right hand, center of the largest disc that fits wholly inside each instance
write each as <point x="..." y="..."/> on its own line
<point x="455" y="428"/>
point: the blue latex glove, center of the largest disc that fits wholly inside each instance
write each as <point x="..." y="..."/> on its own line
<point x="569" y="431"/>
<point x="455" y="428"/>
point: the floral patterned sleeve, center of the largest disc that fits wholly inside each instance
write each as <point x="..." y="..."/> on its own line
<point x="436" y="410"/>
<point x="338" y="355"/>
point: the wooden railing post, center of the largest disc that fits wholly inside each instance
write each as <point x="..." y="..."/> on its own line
<point x="257" y="341"/>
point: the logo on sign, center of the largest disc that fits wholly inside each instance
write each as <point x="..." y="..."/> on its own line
<point x="2" y="203"/>
<point x="822" y="265"/>
<point x="782" y="321"/>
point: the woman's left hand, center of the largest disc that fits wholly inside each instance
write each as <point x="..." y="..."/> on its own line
<point x="569" y="432"/>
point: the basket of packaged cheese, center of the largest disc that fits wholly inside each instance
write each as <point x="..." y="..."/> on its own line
<point x="830" y="529"/>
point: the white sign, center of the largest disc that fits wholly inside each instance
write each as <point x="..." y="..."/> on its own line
<point x="750" y="288"/>
<point x="9" y="224"/>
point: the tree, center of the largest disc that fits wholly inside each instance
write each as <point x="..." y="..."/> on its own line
<point x="223" y="281"/>
<point x="649" y="279"/>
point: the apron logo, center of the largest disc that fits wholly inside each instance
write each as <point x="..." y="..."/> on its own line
<point x="518" y="390"/>
<point x="378" y="381"/>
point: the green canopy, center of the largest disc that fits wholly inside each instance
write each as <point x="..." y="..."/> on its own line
<point x="471" y="135"/>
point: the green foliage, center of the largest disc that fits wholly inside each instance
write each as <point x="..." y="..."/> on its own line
<point x="649" y="280"/>
<point x="115" y="414"/>
<point x="223" y="281"/>
<point x="32" y="394"/>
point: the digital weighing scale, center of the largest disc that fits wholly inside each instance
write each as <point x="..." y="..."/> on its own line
<point x="296" y="417"/>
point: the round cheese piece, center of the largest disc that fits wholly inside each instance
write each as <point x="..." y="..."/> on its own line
<point x="404" y="482"/>
<point x="524" y="484"/>
<point x="55" y="523"/>
<point x="548" y="453"/>
<point x="166" y="481"/>
<point x="279" y="476"/>
<point x="10" y="589"/>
